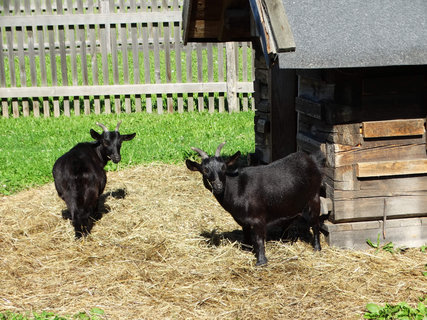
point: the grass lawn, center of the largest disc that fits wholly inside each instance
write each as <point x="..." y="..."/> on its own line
<point x="30" y="146"/>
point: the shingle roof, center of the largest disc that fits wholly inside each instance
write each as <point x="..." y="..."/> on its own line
<point x="356" y="33"/>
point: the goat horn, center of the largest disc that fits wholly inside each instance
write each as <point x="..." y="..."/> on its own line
<point x="102" y="126"/>
<point x="203" y="154"/>
<point x="218" y="150"/>
<point x="118" y="125"/>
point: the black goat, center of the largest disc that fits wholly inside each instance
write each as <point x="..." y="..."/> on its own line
<point x="266" y="195"/>
<point x="80" y="176"/>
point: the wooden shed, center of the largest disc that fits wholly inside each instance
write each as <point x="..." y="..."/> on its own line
<point x="349" y="78"/>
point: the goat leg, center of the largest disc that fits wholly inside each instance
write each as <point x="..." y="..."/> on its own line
<point x="258" y="243"/>
<point x="247" y="240"/>
<point x="314" y="206"/>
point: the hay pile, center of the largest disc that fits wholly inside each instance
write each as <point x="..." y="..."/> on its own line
<point x="166" y="250"/>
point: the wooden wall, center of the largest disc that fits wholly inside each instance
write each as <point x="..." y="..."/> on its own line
<point x="371" y="125"/>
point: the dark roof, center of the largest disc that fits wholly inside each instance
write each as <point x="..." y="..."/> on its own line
<point x="356" y="33"/>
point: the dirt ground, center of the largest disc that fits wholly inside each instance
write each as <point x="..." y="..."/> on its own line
<point x="165" y="249"/>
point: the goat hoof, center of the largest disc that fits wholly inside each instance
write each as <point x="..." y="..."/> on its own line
<point x="262" y="262"/>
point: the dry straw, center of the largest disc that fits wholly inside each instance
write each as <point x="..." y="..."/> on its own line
<point x="167" y="250"/>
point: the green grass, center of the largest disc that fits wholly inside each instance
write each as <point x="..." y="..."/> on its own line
<point x="29" y="146"/>
<point x="94" y="314"/>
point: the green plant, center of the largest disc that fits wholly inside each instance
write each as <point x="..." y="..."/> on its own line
<point x="401" y="311"/>
<point x="94" y="314"/>
<point x="388" y="247"/>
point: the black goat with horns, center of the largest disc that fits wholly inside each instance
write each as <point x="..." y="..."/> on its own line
<point x="262" y="196"/>
<point x="80" y="176"/>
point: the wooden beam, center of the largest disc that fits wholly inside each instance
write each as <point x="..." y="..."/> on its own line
<point x="99" y="90"/>
<point x="393" y="128"/>
<point x="186" y="16"/>
<point x="279" y="25"/>
<point x="90" y="18"/>
<point x="391" y="168"/>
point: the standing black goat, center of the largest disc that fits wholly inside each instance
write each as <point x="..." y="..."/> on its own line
<point x="262" y="196"/>
<point x="80" y="176"/>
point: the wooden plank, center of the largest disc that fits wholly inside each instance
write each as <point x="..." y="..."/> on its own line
<point x="341" y="178"/>
<point x="393" y="128"/>
<point x="73" y="54"/>
<point x="4" y="108"/>
<point x="104" y="41"/>
<point x="233" y="103"/>
<point x="160" y="88"/>
<point x="135" y="53"/>
<point x="385" y="187"/>
<point x="178" y="63"/>
<point x="186" y="16"/>
<point x="410" y="232"/>
<point x="221" y="98"/>
<point x="83" y="54"/>
<point x="123" y="40"/>
<point x="189" y="78"/>
<point x="200" y="101"/>
<point x="90" y="18"/>
<point x="93" y="54"/>
<point x="345" y="134"/>
<point x="391" y="168"/>
<point x="146" y="55"/>
<point x="2" y="66"/>
<point x="12" y="70"/>
<point x="281" y="30"/>
<point x="308" y="107"/>
<point x="376" y="207"/>
<point x="339" y="155"/>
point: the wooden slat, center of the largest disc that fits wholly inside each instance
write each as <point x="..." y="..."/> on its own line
<point x="188" y="57"/>
<point x="391" y="168"/>
<point x="2" y="66"/>
<point x="221" y="98"/>
<point x="147" y="75"/>
<point x="393" y="128"/>
<point x="233" y="103"/>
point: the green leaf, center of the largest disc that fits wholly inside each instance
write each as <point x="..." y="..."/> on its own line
<point x="373" y="308"/>
<point x="97" y="311"/>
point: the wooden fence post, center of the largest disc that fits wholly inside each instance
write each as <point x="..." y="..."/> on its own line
<point x="232" y="100"/>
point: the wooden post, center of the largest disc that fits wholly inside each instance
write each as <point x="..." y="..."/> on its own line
<point x="233" y="103"/>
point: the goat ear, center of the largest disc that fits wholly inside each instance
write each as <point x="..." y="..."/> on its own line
<point x="193" y="166"/>
<point x="232" y="160"/>
<point x="95" y="134"/>
<point x="127" y="137"/>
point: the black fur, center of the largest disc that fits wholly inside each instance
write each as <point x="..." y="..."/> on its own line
<point x="80" y="176"/>
<point x="261" y="196"/>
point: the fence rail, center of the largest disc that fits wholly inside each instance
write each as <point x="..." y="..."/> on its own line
<point x="74" y="56"/>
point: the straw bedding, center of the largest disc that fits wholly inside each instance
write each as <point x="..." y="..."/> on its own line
<point x="165" y="249"/>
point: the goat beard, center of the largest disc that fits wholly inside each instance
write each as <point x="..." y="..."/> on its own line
<point x="210" y="187"/>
